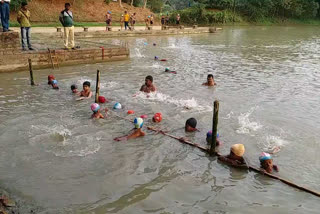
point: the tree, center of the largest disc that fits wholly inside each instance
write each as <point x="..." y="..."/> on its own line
<point x="145" y="3"/>
<point x="120" y="3"/>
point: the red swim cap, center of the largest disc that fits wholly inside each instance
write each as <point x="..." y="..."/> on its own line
<point x="157" y="117"/>
<point x="102" y="99"/>
<point x="130" y="112"/>
<point x="50" y="77"/>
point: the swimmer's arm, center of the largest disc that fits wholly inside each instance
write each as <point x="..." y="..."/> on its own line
<point x="142" y="88"/>
<point x="90" y="95"/>
<point x="276" y="168"/>
<point x="229" y="161"/>
<point x="136" y="134"/>
<point x="101" y="116"/>
<point x="153" y="88"/>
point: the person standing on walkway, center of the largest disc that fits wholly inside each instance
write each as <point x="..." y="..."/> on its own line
<point x="126" y="18"/>
<point x="121" y="21"/>
<point x="66" y="19"/>
<point x="23" y="18"/>
<point x="133" y="20"/>
<point x="5" y="13"/>
<point x="178" y="19"/>
<point x="108" y="20"/>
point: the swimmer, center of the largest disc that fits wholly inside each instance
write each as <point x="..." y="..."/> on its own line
<point x="209" y="138"/>
<point x="191" y="125"/>
<point x="210" y="81"/>
<point x="235" y="158"/>
<point x="266" y="163"/>
<point x="156" y="58"/>
<point x="50" y="78"/>
<point x="148" y="86"/>
<point x="135" y="133"/>
<point x="54" y="84"/>
<point x="95" y="107"/>
<point x="74" y="89"/>
<point x="86" y="93"/>
<point x="169" y="71"/>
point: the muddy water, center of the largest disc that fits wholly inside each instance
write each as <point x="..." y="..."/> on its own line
<point x="52" y="154"/>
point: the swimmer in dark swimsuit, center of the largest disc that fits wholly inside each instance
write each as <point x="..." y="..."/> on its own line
<point x="148" y="86"/>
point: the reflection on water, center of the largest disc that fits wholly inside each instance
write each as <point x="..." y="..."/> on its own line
<point x="268" y="87"/>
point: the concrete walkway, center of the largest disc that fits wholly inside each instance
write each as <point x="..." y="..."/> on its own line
<point x="80" y="29"/>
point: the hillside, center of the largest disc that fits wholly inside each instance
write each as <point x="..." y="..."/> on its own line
<point x="83" y="10"/>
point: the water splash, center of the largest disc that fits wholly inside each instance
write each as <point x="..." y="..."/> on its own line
<point x="60" y="141"/>
<point x="273" y="144"/>
<point x="138" y="53"/>
<point x="187" y="104"/>
<point x="246" y="126"/>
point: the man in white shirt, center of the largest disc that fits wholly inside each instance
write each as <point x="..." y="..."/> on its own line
<point x="5" y="13"/>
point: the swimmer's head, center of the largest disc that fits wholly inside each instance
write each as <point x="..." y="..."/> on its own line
<point x="237" y="149"/>
<point x="191" y="125"/>
<point x="102" y="99"/>
<point x="156" y="58"/>
<point x="266" y="161"/>
<point x="167" y="70"/>
<point x="74" y="88"/>
<point x="109" y="11"/>
<point x="50" y="78"/>
<point x="86" y="85"/>
<point x="149" y="81"/>
<point x="209" y="136"/>
<point x="138" y="122"/>
<point x="157" y="118"/>
<point x="210" y="79"/>
<point x="117" y="106"/>
<point x="95" y="107"/>
<point x="54" y="82"/>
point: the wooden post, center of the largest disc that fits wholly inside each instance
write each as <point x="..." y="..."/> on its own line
<point x="214" y="127"/>
<point x="97" y="86"/>
<point x="31" y="71"/>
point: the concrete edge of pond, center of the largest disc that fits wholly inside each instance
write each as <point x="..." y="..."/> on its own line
<point x="13" y="59"/>
<point x="112" y="34"/>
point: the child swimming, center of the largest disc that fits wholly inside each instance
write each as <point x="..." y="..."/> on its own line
<point x="54" y="84"/>
<point x="235" y="158"/>
<point x="136" y="132"/>
<point x="266" y="163"/>
<point x="191" y="125"/>
<point x="95" y="107"/>
<point x="86" y="93"/>
<point x="74" y="89"/>
<point x="209" y="138"/>
<point x="50" y="79"/>
<point x="210" y="81"/>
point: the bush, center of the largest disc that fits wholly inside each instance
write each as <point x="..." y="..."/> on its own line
<point x="107" y="1"/>
<point x="16" y="4"/>
<point x="199" y="15"/>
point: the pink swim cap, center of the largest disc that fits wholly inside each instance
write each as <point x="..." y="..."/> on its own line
<point x="95" y="107"/>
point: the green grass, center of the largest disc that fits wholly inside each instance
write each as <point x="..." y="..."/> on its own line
<point x="76" y="24"/>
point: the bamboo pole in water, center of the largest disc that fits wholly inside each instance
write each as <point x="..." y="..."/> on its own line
<point x="250" y="167"/>
<point x="97" y="87"/>
<point x="31" y="71"/>
<point x="214" y="127"/>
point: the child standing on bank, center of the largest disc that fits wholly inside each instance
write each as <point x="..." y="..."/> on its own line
<point x="23" y="18"/>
